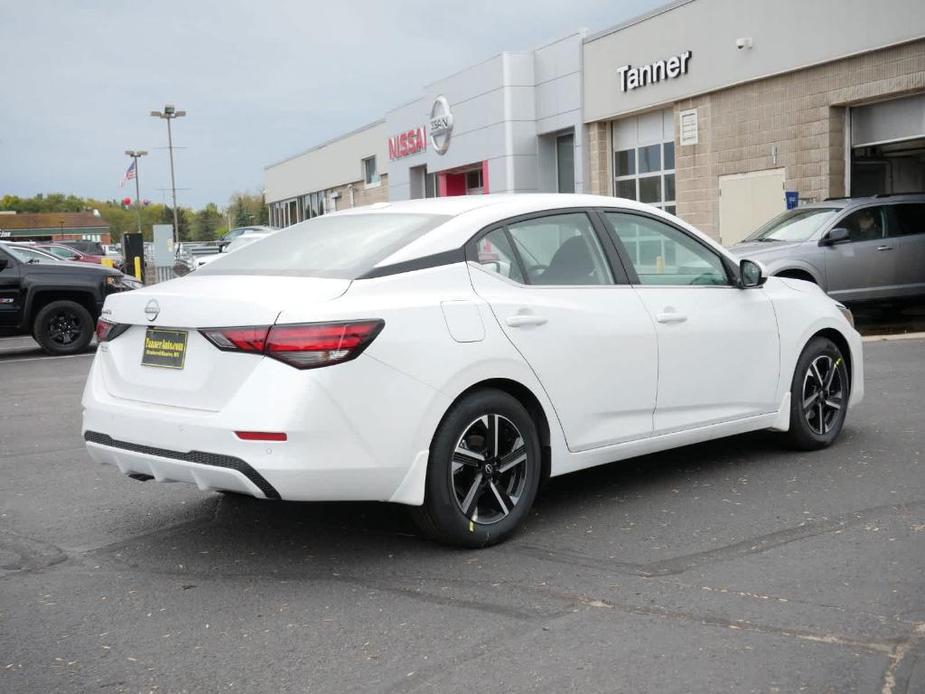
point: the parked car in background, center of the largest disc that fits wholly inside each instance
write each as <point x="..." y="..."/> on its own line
<point x="67" y="253"/>
<point x="232" y="234"/>
<point x="244" y="239"/>
<point x="33" y="255"/>
<point x="451" y="353"/>
<point x="856" y="249"/>
<point x="114" y="252"/>
<point x="85" y="246"/>
<point x="57" y="302"/>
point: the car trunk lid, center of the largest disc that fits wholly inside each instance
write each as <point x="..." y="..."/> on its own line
<point x="206" y="378"/>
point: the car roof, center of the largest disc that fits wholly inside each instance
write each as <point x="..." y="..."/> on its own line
<point x="467" y="214"/>
<point x="858" y="201"/>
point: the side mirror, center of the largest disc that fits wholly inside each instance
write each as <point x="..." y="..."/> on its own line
<point x="837" y="235"/>
<point x="751" y="274"/>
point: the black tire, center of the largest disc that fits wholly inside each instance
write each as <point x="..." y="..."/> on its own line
<point x="817" y="410"/>
<point x="464" y="466"/>
<point x="63" y="327"/>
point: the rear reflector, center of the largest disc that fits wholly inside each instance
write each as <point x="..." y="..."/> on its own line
<point x="106" y="331"/>
<point x="261" y="435"/>
<point x="304" y="346"/>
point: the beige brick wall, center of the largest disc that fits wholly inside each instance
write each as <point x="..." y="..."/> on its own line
<point x="361" y="194"/>
<point x="802" y="113"/>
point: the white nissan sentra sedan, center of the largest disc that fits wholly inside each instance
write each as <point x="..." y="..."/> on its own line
<point x="450" y="354"/>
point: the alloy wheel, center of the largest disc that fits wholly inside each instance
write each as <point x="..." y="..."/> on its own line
<point x="489" y="470"/>
<point x="64" y="328"/>
<point x="823" y="394"/>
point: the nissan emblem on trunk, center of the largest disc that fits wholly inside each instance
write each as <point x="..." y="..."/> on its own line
<point x="441" y="124"/>
<point x="152" y="310"/>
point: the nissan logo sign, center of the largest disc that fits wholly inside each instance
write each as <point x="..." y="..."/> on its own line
<point x="441" y="124"/>
<point x="152" y="310"/>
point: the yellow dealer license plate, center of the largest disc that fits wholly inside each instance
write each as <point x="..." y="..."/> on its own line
<point x="164" y="348"/>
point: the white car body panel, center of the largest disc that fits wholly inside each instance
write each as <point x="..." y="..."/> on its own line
<point x="361" y="430"/>
<point x="709" y="340"/>
<point x="579" y="349"/>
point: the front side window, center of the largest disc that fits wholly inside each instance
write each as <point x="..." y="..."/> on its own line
<point x="370" y="172"/>
<point x="664" y="255"/>
<point x="337" y="246"/>
<point x="560" y="249"/>
<point x="62" y="253"/>
<point x="494" y="253"/>
<point x="864" y="225"/>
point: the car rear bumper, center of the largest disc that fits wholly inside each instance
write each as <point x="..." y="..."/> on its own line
<point x="345" y="440"/>
<point x="207" y="471"/>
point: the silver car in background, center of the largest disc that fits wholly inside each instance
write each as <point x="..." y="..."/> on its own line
<point x="856" y="249"/>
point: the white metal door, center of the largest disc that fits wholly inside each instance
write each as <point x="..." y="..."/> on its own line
<point x="590" y="342"/>
<point x="718" y="346"/>
<point x="746" y="201"/>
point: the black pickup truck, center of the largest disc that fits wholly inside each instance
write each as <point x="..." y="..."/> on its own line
<point x="57" y="303"/>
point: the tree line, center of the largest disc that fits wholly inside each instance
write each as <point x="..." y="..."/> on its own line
<point x="205" y="224"/>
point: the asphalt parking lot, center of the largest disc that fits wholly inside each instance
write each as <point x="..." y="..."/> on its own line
<point x="731" y="566"/>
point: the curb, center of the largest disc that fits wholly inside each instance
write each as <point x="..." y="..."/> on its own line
<point x="893" y="337"/>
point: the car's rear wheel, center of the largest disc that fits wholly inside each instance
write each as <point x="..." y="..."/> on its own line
<point x="483" y="472"/>
<point x="63" y="327"/>
<point x="818" y="395"/>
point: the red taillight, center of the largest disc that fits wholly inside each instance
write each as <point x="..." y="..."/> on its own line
<point x="261" y="435"/>
<point x="304" y="346"/>
<point x="106" y="331"/>
<point x="250" y="339"/>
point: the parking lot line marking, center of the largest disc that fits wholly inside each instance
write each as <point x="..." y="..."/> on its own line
<point x="46" y="358"/>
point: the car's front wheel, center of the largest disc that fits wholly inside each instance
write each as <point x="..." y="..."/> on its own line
<point x="483" y="472"/>
<point x="818" y="395"/>
<point x="63" y="327"/>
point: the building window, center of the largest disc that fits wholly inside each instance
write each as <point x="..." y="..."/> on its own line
<point x="644" y="159"/>
<point x="565" y="163"/>
<point x="430" y="185"/>
<point x="313" y="204"/>
<point x="474" y="182"/>
<point x="646" y="174"/>
<point x="370" y="173"/>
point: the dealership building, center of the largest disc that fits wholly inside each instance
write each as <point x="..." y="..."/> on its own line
<point x="719" y="111"/>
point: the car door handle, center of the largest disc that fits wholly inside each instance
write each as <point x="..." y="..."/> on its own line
<point x="524" y="319"/>
<point x="670" y="317"/>
<point x="884" y="248"/>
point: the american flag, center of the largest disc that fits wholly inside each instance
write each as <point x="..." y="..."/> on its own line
<point x="129" y="174"/>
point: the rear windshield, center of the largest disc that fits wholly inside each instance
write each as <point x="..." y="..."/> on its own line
<point x="337" y="246"/>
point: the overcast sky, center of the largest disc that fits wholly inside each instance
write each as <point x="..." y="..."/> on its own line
<point x="260" y="80"/>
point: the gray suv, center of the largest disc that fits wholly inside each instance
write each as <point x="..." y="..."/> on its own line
<point x="856" y="249"/>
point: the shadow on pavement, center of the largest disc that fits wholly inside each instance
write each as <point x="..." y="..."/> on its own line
<point x="242" y="536"/>
<point x="888" y="319"/>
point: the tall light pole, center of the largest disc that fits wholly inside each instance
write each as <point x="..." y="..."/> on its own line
<point x="137" y="154"/>
<point x="168" y="114"/>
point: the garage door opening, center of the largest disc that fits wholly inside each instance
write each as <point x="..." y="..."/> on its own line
<point x="888" y="147"/>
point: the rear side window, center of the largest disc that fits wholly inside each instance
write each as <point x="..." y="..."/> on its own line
<point x="560" y="249"/>
<point x="493" y="253"/>
<point x="340" y="247"/>
<point x="908" y="219"/>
